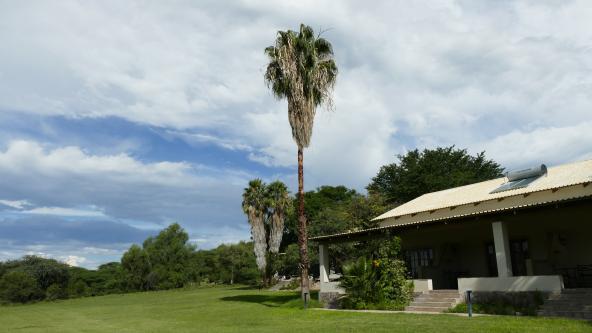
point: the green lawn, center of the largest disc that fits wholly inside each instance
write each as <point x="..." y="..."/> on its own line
<point x="227" y="309"/>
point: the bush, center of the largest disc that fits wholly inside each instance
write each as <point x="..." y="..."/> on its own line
<point x="378" y="283"/>
<point x="79" y="289"/>
<point x="54" y="292"/>
<point x="523" y="303"/>
<point x="294" y="284"/>
<point x="19" y="287"/>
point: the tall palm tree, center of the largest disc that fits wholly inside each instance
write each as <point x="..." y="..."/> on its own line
<point x="254" y="206"/>
<point x="302" y="70"/>
<point x="278" y="202"/>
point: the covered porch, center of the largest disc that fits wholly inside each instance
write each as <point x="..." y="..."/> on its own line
<point x="543" y="248"/>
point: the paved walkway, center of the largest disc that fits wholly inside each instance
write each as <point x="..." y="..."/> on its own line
<point x="413" y="312"/>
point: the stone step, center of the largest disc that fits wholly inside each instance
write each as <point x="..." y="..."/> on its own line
<point x="566" y="308"/>
<point x="444" y="292"/>
<point x="427" y="308"/>
<point x="570" y="303"/>
<point x="577" y="291"/>
<point x="569" y="314"/>
<point x="566" y="303"/>
<point x="434" y="299"/>
<point x="571" y="296"/>
<point x="421" y="303"/>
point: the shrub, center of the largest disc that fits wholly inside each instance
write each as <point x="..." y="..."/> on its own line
<point x="46" y="271"/>
<point x="524" y="303"/>
<point x="79" y="289"/>
<point x="54" y="292"/>
<point x="378" y="283"/>
<point x="19" y="287"/>
<point x="292" y="285"/>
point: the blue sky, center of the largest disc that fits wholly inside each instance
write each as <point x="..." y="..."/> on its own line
<point x="118" y="118"/>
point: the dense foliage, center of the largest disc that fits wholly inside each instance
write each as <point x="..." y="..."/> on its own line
<point x="33" y="278"/>
<point x="335" y="209"/>
<point x="379" y="281"/>
<point x="420" y="172"/>
<point x="227" y="264"/>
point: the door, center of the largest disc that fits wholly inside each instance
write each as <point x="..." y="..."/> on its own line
<point x="491" y="260"/>
<point x="519" y="253"/>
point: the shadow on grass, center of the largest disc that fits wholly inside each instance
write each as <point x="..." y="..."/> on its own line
<point x="269" y="300"/>
<point x="245" y="288"/>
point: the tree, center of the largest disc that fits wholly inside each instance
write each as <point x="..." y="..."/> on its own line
<point x="46" y="271"/>
<point x="301" y="69"/>
<point x="266" y="207"/>
<point x="254" y="206"/>
<point x="277" y="204"/>
<point x="169" y="253"/>
<point x="19" y="287"/>
<point x="136" y="264"/>
<point x="431" y="170"/>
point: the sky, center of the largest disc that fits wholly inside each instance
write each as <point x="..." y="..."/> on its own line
<point x="118" y="118"/>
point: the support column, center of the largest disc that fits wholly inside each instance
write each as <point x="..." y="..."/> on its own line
<point x="502" y="249"/>
<point x="324" y="263"/>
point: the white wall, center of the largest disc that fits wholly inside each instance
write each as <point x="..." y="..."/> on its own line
<point x="331" y="287"/>
<point x="422" y="285"/>
<point x="548" y="283"/>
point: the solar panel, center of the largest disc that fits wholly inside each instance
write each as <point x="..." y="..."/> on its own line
<point x="521" y="183"/>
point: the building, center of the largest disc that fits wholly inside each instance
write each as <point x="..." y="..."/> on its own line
<point x="528" y="231"/>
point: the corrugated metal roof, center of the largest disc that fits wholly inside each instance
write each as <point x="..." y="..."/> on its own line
<point x="456" y="216"/>
<point x="557" y="177"/>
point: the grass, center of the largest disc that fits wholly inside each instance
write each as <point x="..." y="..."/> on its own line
<point x="228" y="309"/>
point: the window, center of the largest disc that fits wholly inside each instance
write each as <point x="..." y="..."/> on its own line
<point x="418" y="258"/>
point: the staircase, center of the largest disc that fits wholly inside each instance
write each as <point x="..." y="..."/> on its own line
<point x="571" y="303"/>
<point x="435" y="301"/>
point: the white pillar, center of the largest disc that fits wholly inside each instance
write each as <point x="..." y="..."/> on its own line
<point x="502" y="249"/>
<point x="324" y="263"/>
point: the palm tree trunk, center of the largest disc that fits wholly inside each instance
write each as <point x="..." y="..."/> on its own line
<point x="302" y="232"/>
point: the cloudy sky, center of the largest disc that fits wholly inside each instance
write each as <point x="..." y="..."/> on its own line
<point x="119" y="117"/>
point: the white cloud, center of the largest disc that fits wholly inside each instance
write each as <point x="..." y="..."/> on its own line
<point x="422" y="74"/>
<point x="551" y="145"/>
<point x="61" y="211"/>
<point x="73" y="260"/>
<point x="69" y="182"/>
<point x="17" y="204"/>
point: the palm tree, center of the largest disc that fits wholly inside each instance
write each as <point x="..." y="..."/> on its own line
<point x="254" y="206"/>
<point x="302" y="70"/>
<point x="278" y="202"/>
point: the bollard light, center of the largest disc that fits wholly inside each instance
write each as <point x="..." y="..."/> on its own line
<point x="469" y="303"/>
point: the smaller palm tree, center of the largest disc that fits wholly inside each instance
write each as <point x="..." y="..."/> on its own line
<point x="278" y="202"/>
<point x="254" y="205"/>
